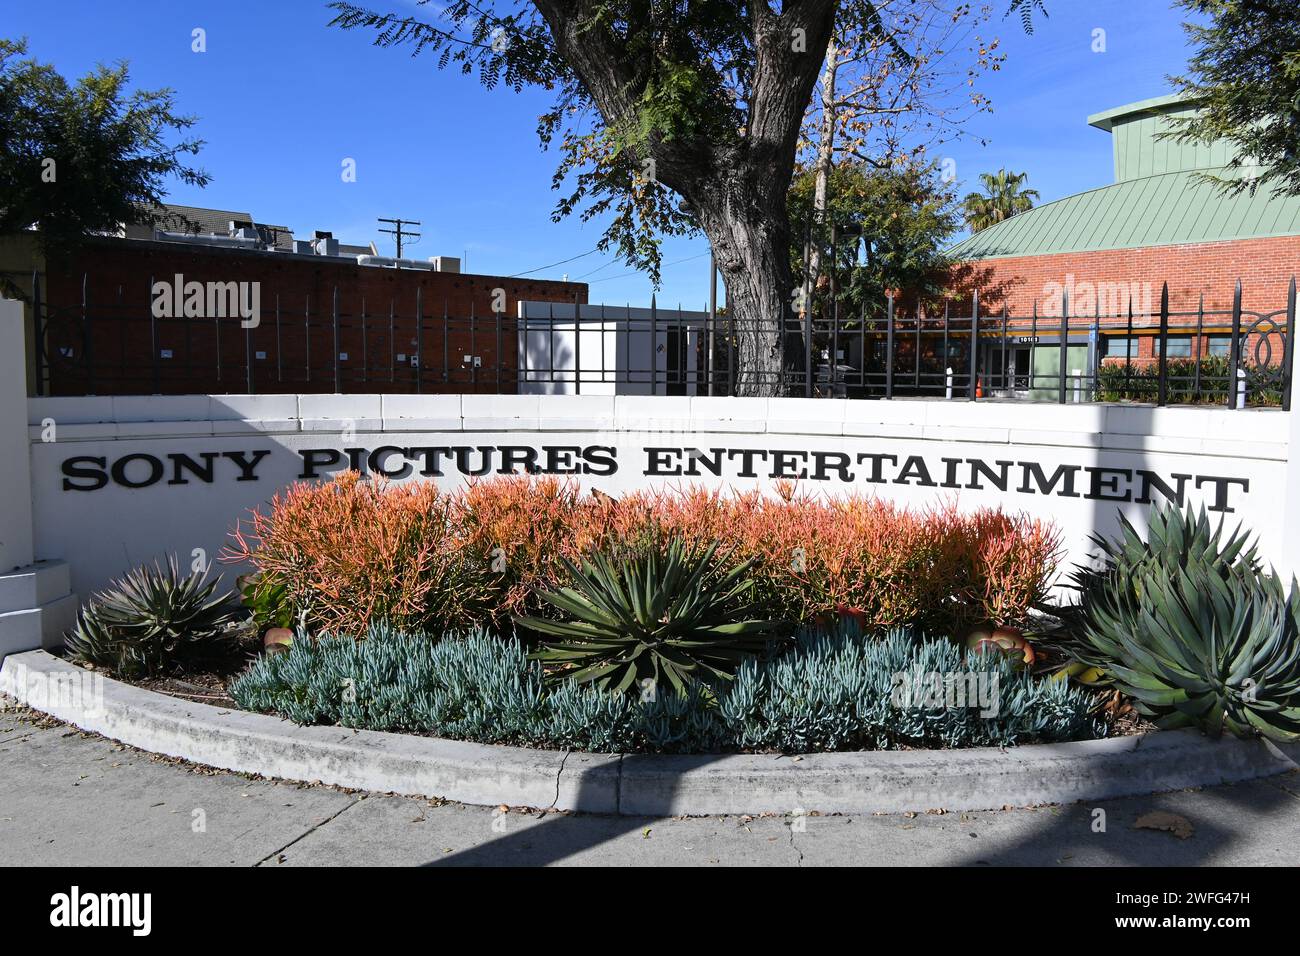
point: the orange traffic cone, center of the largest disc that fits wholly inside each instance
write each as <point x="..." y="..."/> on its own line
<point x="979" y="387"/>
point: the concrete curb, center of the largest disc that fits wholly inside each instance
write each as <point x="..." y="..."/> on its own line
<point x="634" y="784"/>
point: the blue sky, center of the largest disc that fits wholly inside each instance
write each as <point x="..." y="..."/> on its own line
<point x="282" y="101"/>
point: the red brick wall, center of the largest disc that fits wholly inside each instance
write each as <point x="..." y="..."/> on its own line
<point x="1264" y="266"/>
<point x="1105" y="281"/>
<point x="208" y="355"/>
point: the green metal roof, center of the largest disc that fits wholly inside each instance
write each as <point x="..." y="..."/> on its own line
<point x="1159" y="197"/>
<point x="1168" y="209"/>
<point x="1157" y="104"/>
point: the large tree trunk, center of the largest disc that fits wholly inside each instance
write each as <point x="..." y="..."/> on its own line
<point x="735" y="184"/>
<point x="748" y="226"/>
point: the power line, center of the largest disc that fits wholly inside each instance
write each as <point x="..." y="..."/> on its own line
<point x="594" y="271"/>
<point x="541" y="268"/>
<point x="640" y="272"/>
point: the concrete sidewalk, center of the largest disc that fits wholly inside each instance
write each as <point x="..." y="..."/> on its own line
<point x="71" y="798"/>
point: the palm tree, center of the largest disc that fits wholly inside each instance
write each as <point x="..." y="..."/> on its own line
<point x="1003" y="197"/>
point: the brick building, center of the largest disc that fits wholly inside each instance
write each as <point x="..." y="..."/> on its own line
<point x="1114" y="247"/>
<point x="330" y="316"/>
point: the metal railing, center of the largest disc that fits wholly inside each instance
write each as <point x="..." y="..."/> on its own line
<point x="1233" y="357"/>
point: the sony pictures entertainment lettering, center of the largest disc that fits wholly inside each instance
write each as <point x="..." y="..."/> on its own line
<point x="834" y="468"/>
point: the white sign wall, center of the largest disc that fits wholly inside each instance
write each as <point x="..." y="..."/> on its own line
<point x="120" y="481"/>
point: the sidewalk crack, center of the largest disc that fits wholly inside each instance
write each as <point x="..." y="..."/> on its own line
<point x="558" y="774"/>
<point x="308" y="832"/>
<point x="794" y="846"/>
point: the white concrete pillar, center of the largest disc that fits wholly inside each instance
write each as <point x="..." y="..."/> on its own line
<point x="1290" y="503"/>
<point x="36" y="603"/>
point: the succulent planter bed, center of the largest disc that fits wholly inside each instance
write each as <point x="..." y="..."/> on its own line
<point x="522" y="614"/>
<point x="828" y="692"/>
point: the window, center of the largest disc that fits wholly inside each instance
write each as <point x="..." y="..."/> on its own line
<point x="1219" y="345"/>
<point x="1177" y="346"/>
<point x="1118" y="346"/>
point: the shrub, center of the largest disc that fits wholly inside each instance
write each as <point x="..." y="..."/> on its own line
<point x="354" y="551"/>
<point x="663" y="615"/>
<point x="829" y="692"/>
<point x="153" y="621"/>
<point x="1139" y="381"/>
<point x="522" y="530"/>
<point x="1188" y="625"/>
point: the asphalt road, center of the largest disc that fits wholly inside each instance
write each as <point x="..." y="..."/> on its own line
<point x="70" y="798"/>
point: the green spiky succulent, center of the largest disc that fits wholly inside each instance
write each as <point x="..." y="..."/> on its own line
<point x="668" y="614"/>
<point x="155" y="621"/>
<point x="1188" y="625"/>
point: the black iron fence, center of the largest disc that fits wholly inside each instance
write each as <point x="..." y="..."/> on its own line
<point x="1230" y="356"/>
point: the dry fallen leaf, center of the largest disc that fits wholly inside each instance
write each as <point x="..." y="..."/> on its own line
<point x="1179" y="826"/>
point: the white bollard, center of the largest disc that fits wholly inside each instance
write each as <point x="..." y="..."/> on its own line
<point x="1241" y="388"/>
<point x="947" y="391"/>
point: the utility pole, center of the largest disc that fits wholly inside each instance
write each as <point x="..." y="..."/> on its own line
<point x="399" y="232"/>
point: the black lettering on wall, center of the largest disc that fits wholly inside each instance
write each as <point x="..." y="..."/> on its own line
<point x="375" y="462"/>
<point x="1064" y="474"/>
<point x="1104" y="484"/>
<point x="485" y="460"/>
<point x="523" y="456"/>
<point x="432" y="460"/>
<point x="950" y="472"/>
<point x="314" y="459"/>
<point x="662" y="461"/>
<point x="122" y="477"/>
<point x="204" y="472"/>
<point x="789" y="464"/>
<point x="747" y="456"/>
<point x="997" y="478"/>
<point x="875" y="460"/>
<point x="1221" y="490"/>
<point x="824" y="461"/>
<point x="247" y="466"/>
<point x="696" y="458"/>
<point x="600" y="460"/>
<point x="1149" y="479"/>
<point x="73" y="470"/>
<point x="562" y="459"/>
<point x="914" y="467"/>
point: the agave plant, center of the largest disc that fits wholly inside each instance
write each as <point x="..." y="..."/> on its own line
<point x="1188" y="625"/>
<point x="668" y="614"/>
<point x="1174" y="538"/>
<point x="152" y="621"/>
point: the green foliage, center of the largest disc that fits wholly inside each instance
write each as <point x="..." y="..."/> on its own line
<point x="109" y="148"/>
<point x="1245" y="74"/>
<point x="267" y="599"/>
<point x="1192" y="629"/>
<point x="1141" y="382"/>
<point x="153" y="621"/>
<point x="905" y="215"/>
<point x="665" y="614"/>
<point x="684" y="84"/>
<point x="1004" y="196"/>
<point x="828" y="692"/>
